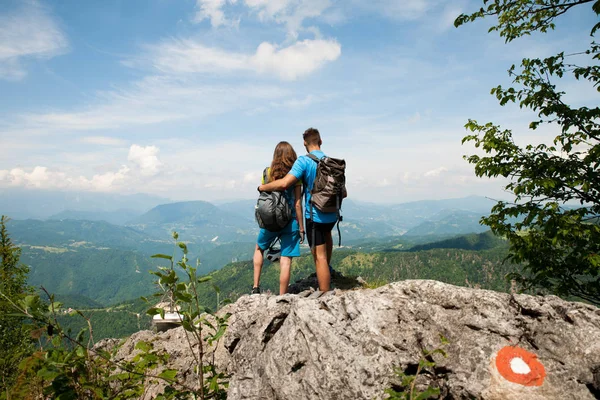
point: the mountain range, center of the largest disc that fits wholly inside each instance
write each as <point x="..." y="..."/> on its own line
<point x="77" y="244"/>
<point x="21" y="203"/>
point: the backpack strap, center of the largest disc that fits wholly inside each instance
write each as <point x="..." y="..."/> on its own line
<point x="339" y="218"/>
<point x="274" y="242"/>
<point x="266" y="175"/>
<point x="313" y="157"/>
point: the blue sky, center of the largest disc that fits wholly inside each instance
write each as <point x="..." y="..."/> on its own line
<point x="187" y="99"/>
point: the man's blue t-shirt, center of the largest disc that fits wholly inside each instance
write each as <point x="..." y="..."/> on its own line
<point x="305" y="169"/>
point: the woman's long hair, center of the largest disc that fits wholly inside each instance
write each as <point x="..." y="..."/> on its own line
<point x="283" y="159"/>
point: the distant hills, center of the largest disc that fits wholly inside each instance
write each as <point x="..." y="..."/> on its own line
<point x="366" y="220"/>
<point x="481" y="241"/>
<point x="233" y="221"/>
<point x="98" y="246"/>
<point x="76" y="233"/>
<point x="198" y="221"/>
<point x="449" y="221"/>
<point x="20" y="203"/>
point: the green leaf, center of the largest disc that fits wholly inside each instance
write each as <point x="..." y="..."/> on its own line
<point x="153" y="311"/>
<point x="428" y="393"/>
<point x="30" y="301"/>
<point x="56" y="340"/>
<point x="214" y="384"/>
<point x="218" y="335"/>
<point x="81" y="351"/>
<point x="166" y="257"/>
<point x="143" y="346"/>
<point x="48" y="374"/>
<point x="168" y="374"/>
<point x="123" y="376"/>
<point x="183" y="247"/>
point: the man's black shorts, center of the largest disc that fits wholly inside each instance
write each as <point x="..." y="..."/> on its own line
<point x="320" y="232"/>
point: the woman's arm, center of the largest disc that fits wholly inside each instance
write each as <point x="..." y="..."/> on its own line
<point x="299" y="214"/>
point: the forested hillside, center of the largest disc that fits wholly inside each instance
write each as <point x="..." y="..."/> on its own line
<point x="481" y="241"/>
<point x="117" y="321"/>
<point x="81" y="233"/>
<point x="105" y="276"/>
<point x="470" y="260"/>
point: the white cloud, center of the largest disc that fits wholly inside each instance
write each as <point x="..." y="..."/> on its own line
<point x="251" y="177"/>
<point x="43" y="178"/>
<point x="297" y="60"/>
<point x="19" y="177"/>
<point x="105" y="182"/>
<point x="143" y="165"/>
<point x="153" y="100"/>
<point x="291" y="13"/>
<point x="288" y="63"/>
<point x="435" y="172"/>
<point x="146" y="158"/>
<point x="11" y="69"/>
<point x="212" y="9"/>
<point x="29" y="32"/>
<point x="188" y="56"/>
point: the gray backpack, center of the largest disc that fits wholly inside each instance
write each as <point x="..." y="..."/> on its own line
<point x="329" y="187"/>
<point x="272" y="210"/>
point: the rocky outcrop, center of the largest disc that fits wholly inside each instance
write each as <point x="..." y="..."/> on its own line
<point x="346" y="344"/>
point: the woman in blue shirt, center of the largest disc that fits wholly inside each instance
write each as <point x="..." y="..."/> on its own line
<point x="292" y="235"/>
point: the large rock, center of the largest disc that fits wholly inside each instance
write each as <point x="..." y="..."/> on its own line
<point x="345" y="345"/>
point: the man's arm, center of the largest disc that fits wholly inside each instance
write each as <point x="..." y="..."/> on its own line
<point x="280" y="184"/>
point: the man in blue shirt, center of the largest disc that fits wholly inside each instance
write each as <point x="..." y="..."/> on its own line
<point x="305" y="169"/>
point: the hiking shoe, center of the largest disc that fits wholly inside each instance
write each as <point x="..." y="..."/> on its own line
<point x="255" y="290"/>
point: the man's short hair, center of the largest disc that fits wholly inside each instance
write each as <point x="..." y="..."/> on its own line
<point x="312" y="137"/>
